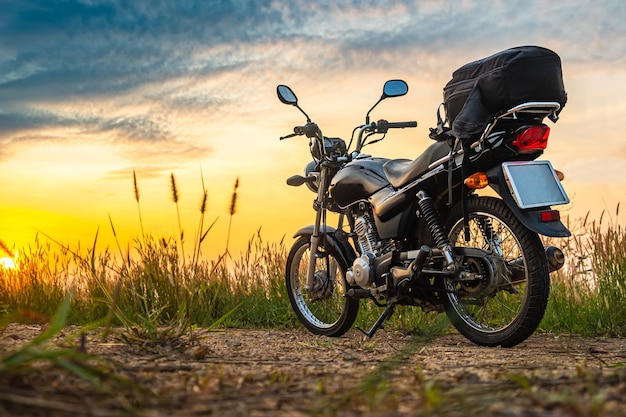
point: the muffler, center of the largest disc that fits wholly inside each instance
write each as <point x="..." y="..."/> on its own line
<point x="554" y="255"/>
<point x="556" y="258"/>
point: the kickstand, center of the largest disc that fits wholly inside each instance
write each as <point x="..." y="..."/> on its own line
<point x="391" y="306"/>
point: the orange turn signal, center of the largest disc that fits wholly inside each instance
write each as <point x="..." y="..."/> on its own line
<point x="477" y="181"/>
<point x="559" y="175"/>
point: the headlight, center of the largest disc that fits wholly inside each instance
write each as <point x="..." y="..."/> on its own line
<point x="312" y="170"/>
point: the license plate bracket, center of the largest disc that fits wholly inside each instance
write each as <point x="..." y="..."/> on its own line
<point x="534" y="184"/>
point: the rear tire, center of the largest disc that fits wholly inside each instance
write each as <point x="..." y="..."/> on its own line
<point x="506" y="310"/>
<point x="332" y="313"/>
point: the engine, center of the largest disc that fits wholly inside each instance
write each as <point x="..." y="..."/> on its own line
<point x="367" y="234"/>
<point x="363" y="269"/>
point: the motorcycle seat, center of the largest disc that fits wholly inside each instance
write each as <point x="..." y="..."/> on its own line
<point x="400" y="172"/>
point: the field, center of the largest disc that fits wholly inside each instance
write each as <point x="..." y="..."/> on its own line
<point x="153" y="332"/>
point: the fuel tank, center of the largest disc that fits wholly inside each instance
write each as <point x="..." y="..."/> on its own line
<point x="358" y="180"/>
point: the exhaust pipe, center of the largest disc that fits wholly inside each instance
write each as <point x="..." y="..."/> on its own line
<point x="554" y="255"/>
<point x="556" y="258"/>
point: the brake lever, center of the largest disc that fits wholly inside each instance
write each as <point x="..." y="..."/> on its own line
<point x="289" y="136"/>
<point x="299" y="131"/>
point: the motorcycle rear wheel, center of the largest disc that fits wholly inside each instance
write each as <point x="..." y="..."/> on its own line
<point x="331" y="313"/>
<point x="507" y="310"/>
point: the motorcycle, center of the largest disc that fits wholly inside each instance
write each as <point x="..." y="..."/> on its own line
<point x="422" y="233"/>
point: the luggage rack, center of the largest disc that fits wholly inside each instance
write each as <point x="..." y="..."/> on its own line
<point x="536" y="109"/>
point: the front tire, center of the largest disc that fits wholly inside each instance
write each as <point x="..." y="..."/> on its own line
<point x="331" y="312"/>
<point x="506" y="310"/>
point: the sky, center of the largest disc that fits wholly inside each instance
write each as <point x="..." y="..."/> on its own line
<point x="93" y="91"/>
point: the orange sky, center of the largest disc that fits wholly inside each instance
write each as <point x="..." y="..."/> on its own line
<point x="168" y="94"/>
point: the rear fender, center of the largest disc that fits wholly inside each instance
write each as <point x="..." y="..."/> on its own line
<point x="531" y="218"/>
<point x="341" y="247"/>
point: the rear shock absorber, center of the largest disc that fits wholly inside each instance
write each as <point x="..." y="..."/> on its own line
<point x="427" y="210"/>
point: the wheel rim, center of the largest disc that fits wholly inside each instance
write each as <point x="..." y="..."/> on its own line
<point x="327" y="310"/>
<point x="493" y="311"/>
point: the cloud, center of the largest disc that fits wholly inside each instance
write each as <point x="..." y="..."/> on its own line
<point x="66" y="46"/>
<point x="21" y="119"/>
<point x="136" y="136"/>
<point x="136" y="60"/>
<point x="76" y="48"/>
<point x="137" y="127"/>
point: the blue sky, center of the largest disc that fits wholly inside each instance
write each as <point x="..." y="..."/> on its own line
<point x="91" y="90"/>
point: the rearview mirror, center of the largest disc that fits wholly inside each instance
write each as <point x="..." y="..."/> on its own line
<point x="286" y="95"/>
<point x="392" y="88"/>
<point x="395" y="88"/>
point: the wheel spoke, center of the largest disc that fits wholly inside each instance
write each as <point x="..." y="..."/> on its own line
<point x="322" y="305"/>
<point x="507" y="300"/>
<point x="493" y="311"/>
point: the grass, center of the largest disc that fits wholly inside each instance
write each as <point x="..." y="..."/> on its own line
<point x="588" y="293"/>
<point x="73" y="360"/>
<point x="158" y="293"/>
<point x="155" y="289"/>
<point x="155" y="286"/>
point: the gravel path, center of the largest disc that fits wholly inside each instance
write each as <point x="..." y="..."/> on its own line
<point x="294" y="373"/>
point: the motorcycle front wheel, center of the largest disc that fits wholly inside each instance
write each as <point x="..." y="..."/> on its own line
<point x="325" y="310"/>
<point x="506" y="306"/>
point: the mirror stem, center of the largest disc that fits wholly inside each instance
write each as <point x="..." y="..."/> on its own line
<point x="308" y="119"/>
<point x="367" y="116"/>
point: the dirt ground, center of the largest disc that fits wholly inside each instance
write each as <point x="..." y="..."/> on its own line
<point x="237" y="372"/>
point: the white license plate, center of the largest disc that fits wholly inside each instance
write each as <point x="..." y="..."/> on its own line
<point x="534" y="184"/>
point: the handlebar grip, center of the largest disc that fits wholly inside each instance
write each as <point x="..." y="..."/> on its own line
<point x="401" y="125"/>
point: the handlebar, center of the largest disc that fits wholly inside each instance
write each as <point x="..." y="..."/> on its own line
<point x="310" y="130"/>
<point x="287" y="136"/>
<point x="382" y="126"/>
<point x="402" y="125"/>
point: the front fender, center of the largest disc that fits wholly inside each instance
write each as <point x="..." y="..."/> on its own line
<point x="342" y="247"/>
<point x="531" y="218"/>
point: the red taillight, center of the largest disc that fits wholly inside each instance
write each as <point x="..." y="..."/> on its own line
<point x="532" y="139"/>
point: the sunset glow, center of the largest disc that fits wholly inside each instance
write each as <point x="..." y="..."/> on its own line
<point x="7" y="263"/>
<point x="94" y="91"/>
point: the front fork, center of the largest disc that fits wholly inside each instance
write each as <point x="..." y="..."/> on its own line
<point x="319" y="205"/>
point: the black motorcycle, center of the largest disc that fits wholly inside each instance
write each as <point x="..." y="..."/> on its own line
<point x="420" y="232"/>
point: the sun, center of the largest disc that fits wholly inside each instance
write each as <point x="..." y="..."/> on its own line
<point x="7" y="263"/>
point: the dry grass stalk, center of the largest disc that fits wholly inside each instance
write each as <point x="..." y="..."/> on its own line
<point x="5" y="248"/>
<point x="180" y="227"/>
<point x="136" y="189"/>
<point x="199" y="236"/>
<point x="232" y="211"/>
